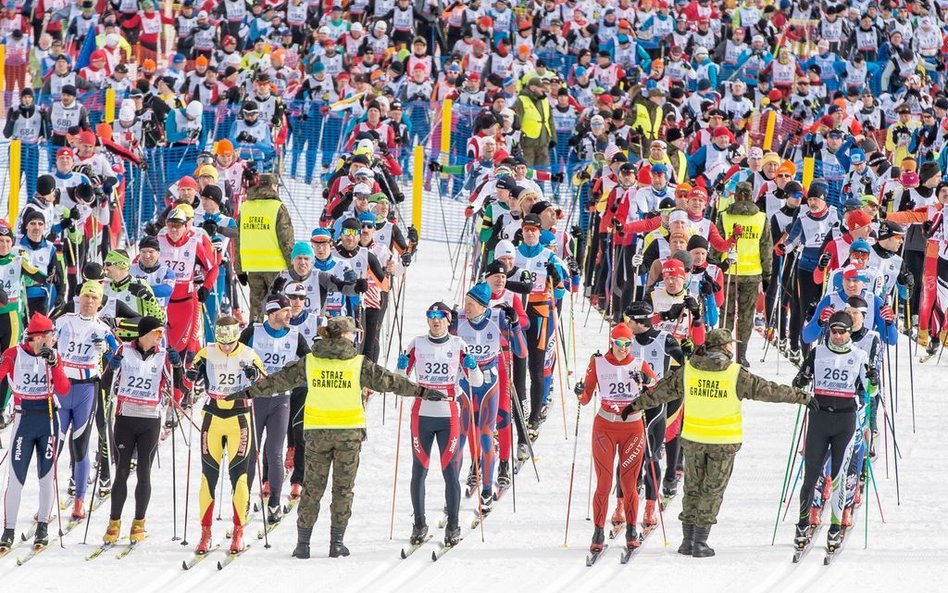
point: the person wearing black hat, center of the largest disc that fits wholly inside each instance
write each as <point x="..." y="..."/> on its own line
<point x="45" y="284"/>
<point x="65" y="114"/>
<point x="841" y="374"/>
<point x="885" y="257"/>
<point x="782" y="274"/>
<point x="503" y="215"/>
<point x="141" y="372"/>
<point x="26" y="123"/>
<point x="278" y="344"/>
<point x="149" y="268"/>
<point x="254" y="132"/>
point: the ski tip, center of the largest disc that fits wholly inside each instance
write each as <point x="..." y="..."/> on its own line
<point x="184" y="565"/>
<point x="220" y="566"/>
<point x="826" y="561"/>
<point x="434" y="556"/>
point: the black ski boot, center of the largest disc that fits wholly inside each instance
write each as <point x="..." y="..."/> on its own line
<point x="418" y="534"/>
<point x="487" y="502"/>
<point x="336" y="547"/>
<point x="503" y="475"/>
<point x="301" y="550"/>
<point x="42" y="534"/>
<point x="452" y="535"/>
<point x="274" y="514"/>
<point x="834" y="537"/>
<point x="472" y="476"/>
<point x="700" y="548"/>
<point x="6" y="541"/>
<point x="687" y="540"/>
<point x="631" y="537"/>
<point x="802" y="536"/>
<point x="742" y="355"/>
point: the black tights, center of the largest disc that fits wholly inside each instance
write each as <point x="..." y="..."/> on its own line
<point x="134" y="434"/>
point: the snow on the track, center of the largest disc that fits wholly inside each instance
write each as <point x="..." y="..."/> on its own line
<point x="524" y="550"/>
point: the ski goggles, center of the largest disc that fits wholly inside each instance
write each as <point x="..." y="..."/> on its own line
<point x="351" y="232"/>
<point x="839" y="331"/>
<point x="621" y="343"/>
<point x="436" y="314"/>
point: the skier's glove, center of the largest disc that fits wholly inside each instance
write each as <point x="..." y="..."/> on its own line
<point x="887" y="313"/>
<point x="137" y="289"/>
<point x="251" y="372"/>
<point x="174" y="358"/>
<point x="687" y="347"/>
<point x="579" y="388"/>
<point x="412" y="234"/>
<point x="673" y="312"/>
<point x="737" y="231"/>
<point x="691" y="303"/>
<point x="202" y="294"/>
<point x="526" y="276"/>
<point x="115" y="363"/>
<point x="469" y="362"/>
<point x="49" y="355"/>
<point x="361" y="285"/>
<point x="872" y="375"/>
<point x="637" y="260"/>
<point x="243" y="278"/>
<point x="824" y="261"/>
<point x="402" y="363"/>
<point x="780" y="249"/>
<point x="826" y="314"/>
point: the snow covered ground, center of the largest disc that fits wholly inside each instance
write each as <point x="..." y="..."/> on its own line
<point x="524" y="550"/>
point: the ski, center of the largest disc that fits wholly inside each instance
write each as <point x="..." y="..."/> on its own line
<point x="29" y="533"/>
<point x="129" y="549"/>
<point x="34" y="550"/>
<point x="231" y="556"/>
<point x="4" y="551"/>
<point x="99" y="551"/>
<point x="469" y="491"/>
<point x="801" y="551"/>
<point x="616" y="529"/>
<point x="477" y="520"/>
<point x="593" y="557"/>
<point x="499" y="492"/>
<point x="196" y="558"/>
<point x="628" y="552"/>
<point x="66" y="503"/>
<point x="412" y="548"/>
<point x="442" y="550"/>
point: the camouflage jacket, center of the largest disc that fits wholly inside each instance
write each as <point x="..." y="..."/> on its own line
<point x="749" y="386"/>
<point x="373" y="376"/>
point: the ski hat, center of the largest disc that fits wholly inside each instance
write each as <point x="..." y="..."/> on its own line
<point x="640" y="311"/>
<point x="857" y="155"/>
<point x="227" y="330"/>
<point x="697" y="242"/>
<point x="852" y="203"/>
<point x="621" y="331"/>
<point x="148" y="324"/>
<point x="5" y="230"/>
<point x="531" y="220"/>
<point x="321" y="235"/>
<point x="45" y="185"/>
<point x="295" y="289"/>
<point x="889" y="229"/>
<point x="718" y="337"/>
<point x="857" y="219"/>
<point x="39" y="324"/>
<point x="149" y="242"/>
<point x="367" y="219"/>
<point x="92" y="288"/>
<point x="118" y="258"/>
<point x="678" y="216"/>
<point x="817" y="190"/>
<point x="277" y="302"/>
<point x="33" y="215"/>
<point x="480" y="293"/>
<point x="302" y="248"/>
<point x="181" y="213"/>
<point x="673" y="267"/>
<point x="860" y="245"/>
<point x="841" y="319"/>
<point x="504" y="248"/>
<point x="93" y="271"/>
<point x="495" y="267"/>
<point x="851" y="272"/>
<point x="858" y="303"/>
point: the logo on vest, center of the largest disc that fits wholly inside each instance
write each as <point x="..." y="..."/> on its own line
<point x="332" y="380"/>
<point x="708" y="388"/>
<point x="257" y="223"/>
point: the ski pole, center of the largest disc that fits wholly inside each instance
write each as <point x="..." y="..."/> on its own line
<point x="53" y="436"/>
<point x="786" y="474"/>
<point x="559" y="369"/>
<point x="174" y="464"/>
<point x="398" y="443"/>
<point x="98" y="471"/>
<point x="572" y="473"/>
<point x="263" y="506"/>
<point x="476" y="461"/>
<point x="187" y="484"/>
<point x="652" y="462"/>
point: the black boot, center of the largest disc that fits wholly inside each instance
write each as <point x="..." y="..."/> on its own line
<point x="336" y="547"/>
<point x="598" y="539"/>
<point x="688" y="539"/>
<point x="742" y="355"/>
<point x="301" y="550"/>
<point x="7" y="540"/>
<point x="42" y="534"/>
<point x="452" y="535"/>
<point x="700" y="548"/>
<point x="418" y="534"/>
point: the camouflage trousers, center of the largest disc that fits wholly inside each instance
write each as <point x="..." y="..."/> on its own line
<point x="259" y="285"/>
<point x="329" y="449"/>
<point x="741" y="291"/>
<point x="707" y="472"/>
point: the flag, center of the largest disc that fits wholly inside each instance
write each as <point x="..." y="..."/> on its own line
<point x="88" y="46"/>
<point x="343" y="104"/>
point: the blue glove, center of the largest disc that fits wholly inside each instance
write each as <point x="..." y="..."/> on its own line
<point x="115" y="363"/>
<point x="469" y="362"/>
<point x="174" y="358"/>
<point x="402" y="361"/>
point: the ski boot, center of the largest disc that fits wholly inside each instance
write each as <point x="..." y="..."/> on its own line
<point x="265" y="489"/>
<point x="631" y="537"/>
<point x="274" y="514"/>
<point x="523" y="452"/>
<point x="336" y="547"/>
<point x="827" y="488"/>
<point x="105" y="486"/>
<point x="171" y="420"/>
<point x="795" y="357"/>
<point x="137" y="533"/>
<point x="618" y="517"/>
<point x="301" y="550"/>
<point x="71" y="489"/>
<point x="669" y="489"/>
<point x="288" y="460"/>
<point x="296" y="490"/>
<point x="112" y="531"/>
<point x="41" y="539"/>
<point x="687" y="541"/>
<point x="834" y="537"/>
<point x="742" y="355"/>
<point x="78" y="510"/>
<point x="503" y="475"/>
<point x="544" y="412"/>
<point x="204" y="546"/>
<point x="452" y="535"/>
<point x="472" y="476"/>
<point x="700" y="548"/>
<point x="923" y="338"/>
<point x="418" y="534"/>
<point x="650" y="518"/>
<point x="237" y="540"/>
<point x="487" y="501"/>
<point x="815" y="516"/>
<point x="802" y="536"/>
<point x="7" y="539"/>
<point x="598" y="539"/>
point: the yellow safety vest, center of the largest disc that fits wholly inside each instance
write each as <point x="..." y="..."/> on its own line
<point x="712" y="408"/>
<point x="333" y="393"/>
<point x="748" y="245"/>
<point x="648" y="127"/>
<point x="533" y="123"/>
<point x="259" y="246"/>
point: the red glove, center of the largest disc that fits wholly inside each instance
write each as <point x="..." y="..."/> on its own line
<point x="469" y="212"/>
<point x="779" y="249"/>
<point x="887" y="313"/>
<point x="826" y="314"/>
<point x="738" y="231"/>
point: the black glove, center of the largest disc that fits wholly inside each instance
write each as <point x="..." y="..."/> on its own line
<point x="74" y="213"/>
<point x="279" y="283"/>
<point x="579" y="388"/>
<point x="349" y="276"/>
<point x="575" y="232"/>
<point x="49" y="355"/>
<point x="687" y="347"/>
<point x="557" y="177"/>
<point x="361" y="285"/>
<point x="243" y="278"/>
<point x="707" y="287"/>
<point x="412" y="234"/>
<point x="511" y="314"/>
<point x="691" y="303"/>
<point x="210" y="227"/>
<point x="573" y="266"/>
<point x="434" y="395"/>
<point x="151" y="229"/>
<point x="553" y="273"/>
<point x="202" y="294"/>
<point x="626" y="411"/>
<point x="802" y="380"/>
<point x="406" y="258"/>
<point x="673" y="312"/>
<point x="651" y="214"/>
<point x="526" y="276"/>
<point x="251" y="372"/>
<point x="813" y="404"/>
<point x="137" y="289"/>
<point x="824" y="261"/>
<point x="583" y="175"/>
<point x="872" y="375"/>
<point x="434" y="166"/>
<point x="68" y="224"/>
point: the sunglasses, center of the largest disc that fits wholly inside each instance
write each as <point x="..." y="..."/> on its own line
<point x="321" y="241"/>
<point x="351" y="232"/>
<point x="368" y="225"/>
<point x="622" y="343"/>
<point x="296" y="297"/>
<point x="436" y="314"/>
<point x="839" y="332"/>
<point x="787" y="175"/>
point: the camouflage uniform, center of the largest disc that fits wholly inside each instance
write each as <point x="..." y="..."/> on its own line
<point x="259" y="282"/>
<point x="336" y="448"/>
<point x="708" y="466"/>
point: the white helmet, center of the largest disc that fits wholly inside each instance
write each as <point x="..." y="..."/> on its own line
<point x="194" y="110"/>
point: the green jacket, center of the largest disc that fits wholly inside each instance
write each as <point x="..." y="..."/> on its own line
<point x="748" y="208"/>
<point x="284" y="226"/>
<point x="749" y="385"/>
<point x="373" y="376"/>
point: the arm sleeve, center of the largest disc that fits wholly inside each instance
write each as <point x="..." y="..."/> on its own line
<point x="750" y="386"/>
<point x="378" y="378"/>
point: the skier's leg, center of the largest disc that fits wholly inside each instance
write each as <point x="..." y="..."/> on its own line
<point x="447" y="444"/>
<point x="486" y="421"/>
<point x="22" y="438"/>
<point x="146" y="444"/>
<point x="503" y="408"/>
<point x="841" y="450"/>
<point x="673" y="420"/>
<point x="422" y="437"/>
<point x="604" y="454"/>
<point x="817" y="440"/>
<point x="239" y="437"/>
<point x="655" y="420"/>
<point x="44" y="464"/>
<point x="125" y="439"/>
<point x="631" y="454"/>
<point x="84" y="399"/>
<point x="273" y="448"/>
<point x="297" y="398"/>
<point x="212" y="451"/>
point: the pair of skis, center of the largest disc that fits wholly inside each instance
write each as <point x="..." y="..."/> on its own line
<point x="221" y="564"/>
<point x="127" y="548"/>
<point x="627" y="552"/>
